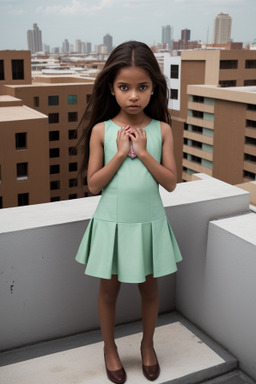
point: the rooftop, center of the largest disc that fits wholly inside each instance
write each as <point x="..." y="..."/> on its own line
<point x="49" y="328"/>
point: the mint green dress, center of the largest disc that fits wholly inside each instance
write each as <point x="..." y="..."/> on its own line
<point x="129" y="234"/>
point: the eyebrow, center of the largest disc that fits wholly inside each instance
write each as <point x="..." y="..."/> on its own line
<point x="142" y="82"/>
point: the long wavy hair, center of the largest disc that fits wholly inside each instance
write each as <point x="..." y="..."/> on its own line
<point x="102" y="105"/>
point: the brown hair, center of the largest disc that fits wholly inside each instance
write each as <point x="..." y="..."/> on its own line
<point x="103" y="106"/>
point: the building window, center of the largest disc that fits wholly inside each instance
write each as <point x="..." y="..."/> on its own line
<point x="1" y="202"/>
<point x="56" y="198"/>
<point x="1" y="70"/>
<point x="72" y="116"/>
<point x="72" y="134"/>
<point x="198" y="99"/>
<point x="85" y="180"/>
<point x="53" y="100"/>
<point x="228" y="64"/>
<point x="174" y="94"/>
<point x="54" y="185"/>
<point x="72" y="99"/>
<point x="72" y="183"/>
<point x="72" y="196"/>
<point x="174" y="71"/>
<point x="54" y="169"/>
<point x="22" y="171"/>
<point x="72" y="167"/>
<point x="88" y="98"/>
<point x="54" y="135"/>
<point x="250" y="140"/>
<point x="248" y="157"/>
<point x="249" y="175"/>
<point x="250" y="63"/>
<point x="72" y="151"/>
<point x="249" y="82"/>
<point x="251" y="123"/>
<point x="36" y="101"/>
<point x="18" y="69"/>
<point x="53" y="118"/>
<point x="23" y="199"/>
<point x="251" y="107"/>
<point x="54" y="152"/>
<point x="227" y="83"/>
<point x="198" y="114"/>
<point x="21" y="140"/>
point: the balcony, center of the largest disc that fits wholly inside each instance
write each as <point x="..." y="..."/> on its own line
<point x="207" y="324"/>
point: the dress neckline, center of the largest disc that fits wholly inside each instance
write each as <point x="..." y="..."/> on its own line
<point x="121" y="127"/>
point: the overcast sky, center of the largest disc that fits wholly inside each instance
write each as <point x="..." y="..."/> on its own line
<point x="90" y="20"/>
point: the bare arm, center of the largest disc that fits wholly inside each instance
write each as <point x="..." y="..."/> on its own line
<point x="98" y="175"/>
<point x="165" y="173"/>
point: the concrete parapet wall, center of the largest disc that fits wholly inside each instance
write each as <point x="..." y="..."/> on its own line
<point x="45" y="295"/>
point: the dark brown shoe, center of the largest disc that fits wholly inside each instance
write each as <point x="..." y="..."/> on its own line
<point x="151" y="372"/>
<point x="117" y="377"/>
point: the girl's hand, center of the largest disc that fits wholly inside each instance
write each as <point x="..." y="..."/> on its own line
<point x="139" y="140"/>
<point x="122" y="141"/>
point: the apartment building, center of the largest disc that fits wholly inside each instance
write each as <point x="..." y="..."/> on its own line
<point x="220" y="133"/>
<point x="60" y="102"/>
<point x="219" y="68"/>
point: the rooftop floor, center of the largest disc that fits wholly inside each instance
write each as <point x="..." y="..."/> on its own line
<point x="186" y="356"/>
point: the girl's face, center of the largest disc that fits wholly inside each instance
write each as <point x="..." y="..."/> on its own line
<point x="132" y="89"/>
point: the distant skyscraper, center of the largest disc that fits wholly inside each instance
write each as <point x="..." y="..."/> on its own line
<point x="167" y="36"/>
<point x="108" y="41"/>
<point x="65" y="46"/>
<point x="222" y="29"/>
<point x="34" y="38"/>
<point x="185" y="35"/>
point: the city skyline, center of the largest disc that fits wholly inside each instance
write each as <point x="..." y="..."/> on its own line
<point x="134" y="19"/>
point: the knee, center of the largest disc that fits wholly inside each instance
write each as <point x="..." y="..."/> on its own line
<point x="109" y="292"/>
<point x="149" y="291"/>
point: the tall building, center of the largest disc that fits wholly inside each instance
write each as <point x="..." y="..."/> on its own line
<point x="34" y="39"/>
<point x="167" y="36"/>
<point x="39" y="161"/>
<point x="203" y="117"/>
<point x="222" y="29"/>
<point x="65" y="46"/>
<point x="108" y="41"/>
<point x="185" y="35"/>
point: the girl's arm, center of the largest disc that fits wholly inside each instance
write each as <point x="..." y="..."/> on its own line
<point x="165" y="173"/>
<point x="98" y="175"/>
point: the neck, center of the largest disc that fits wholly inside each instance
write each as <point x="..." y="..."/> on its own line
<point x="135" y="121"/>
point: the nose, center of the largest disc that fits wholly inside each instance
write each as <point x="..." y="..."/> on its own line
<point x="133" y="95"/>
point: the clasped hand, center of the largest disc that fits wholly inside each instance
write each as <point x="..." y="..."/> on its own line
<point x="138" y="137"/>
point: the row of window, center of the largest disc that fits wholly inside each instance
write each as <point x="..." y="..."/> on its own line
<point x="21" y="137"/>
<point x="233" y="64"/>
<point x="232" y="83"/>
<point x="55" y="135"/>
<point x="55" y="152"/>
<point x="53" y="118"/>
<point x="72" y="167"/>
<point x="250" y="175"/>
<point x="17" y="70"/>
<point x="250" y="123"/>
<point x="54" y="100"/>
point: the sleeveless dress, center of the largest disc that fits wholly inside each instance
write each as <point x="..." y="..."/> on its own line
<point x="129" y="234"/>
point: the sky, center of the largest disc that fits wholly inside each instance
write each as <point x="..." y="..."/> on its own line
<point x="90" y="20"/>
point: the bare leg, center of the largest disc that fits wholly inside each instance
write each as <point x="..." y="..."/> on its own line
<point x="108" y="294"/>
<point x="150" y="305"/>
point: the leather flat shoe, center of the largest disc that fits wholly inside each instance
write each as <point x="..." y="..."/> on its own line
<point x="151" y="372"/>
<point x="118" y="376"/>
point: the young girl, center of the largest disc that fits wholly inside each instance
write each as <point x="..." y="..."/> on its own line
<point x="129" y="151"/>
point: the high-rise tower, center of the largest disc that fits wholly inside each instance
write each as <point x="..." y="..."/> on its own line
<point x="222" y="29"/>
<point x="108" y="41"/>
<point x="34" y="38"/>
<point x="167" y="36"/>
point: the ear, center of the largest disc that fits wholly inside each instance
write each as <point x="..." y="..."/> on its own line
<point x="111" y="89"/>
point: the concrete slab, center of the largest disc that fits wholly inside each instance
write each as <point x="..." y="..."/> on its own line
<point x="181" y="354"/>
